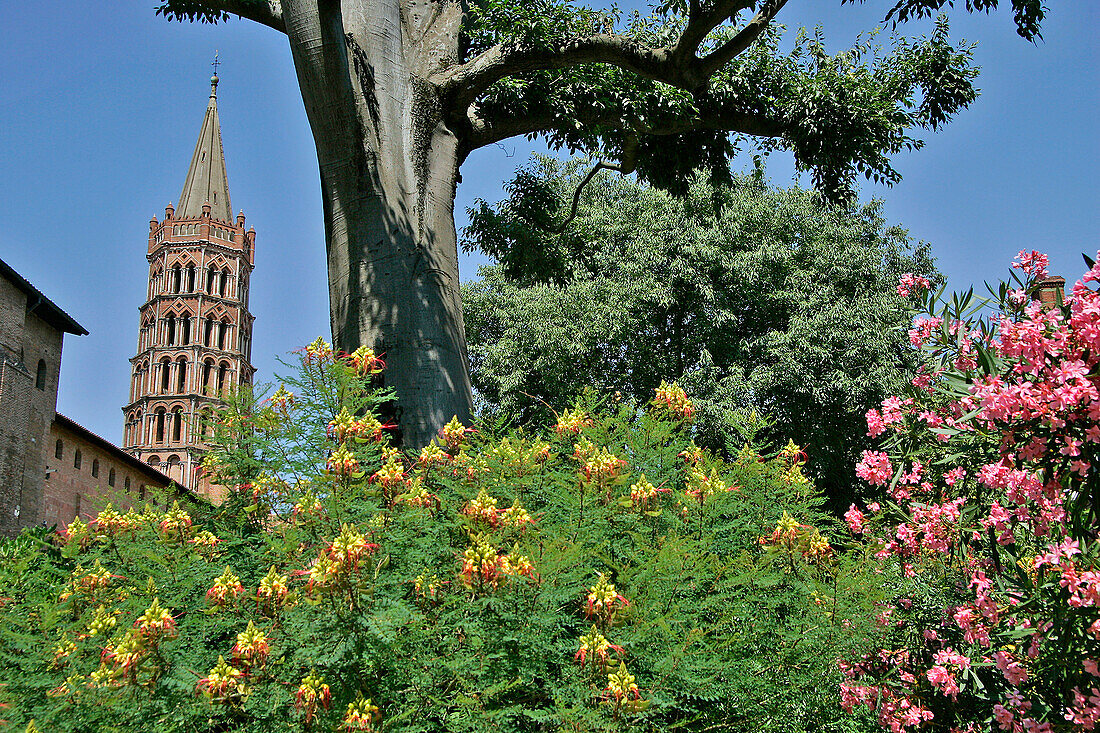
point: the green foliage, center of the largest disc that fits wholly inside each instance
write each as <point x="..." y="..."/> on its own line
<point x="344" y="585"/>
<point x="1028" y="14"/>
<point x="753" y="298"/>
<point x="662" y="92"/>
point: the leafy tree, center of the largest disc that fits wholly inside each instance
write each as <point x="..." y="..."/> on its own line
<point x="399" y="92"/>
<point x="597" y="573"/>
<point x="754" y="298"/>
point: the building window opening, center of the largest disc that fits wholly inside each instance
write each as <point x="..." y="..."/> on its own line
<point x="40" y="377"/>
<point x="95" y="468"/>
<point x="111" y="477"/>
<point x="176" y="279"/>
<point x="160" y="426"/>
<point x="77" y="459"/>
<point x="58" y="449"/>
<point x="190" y="278"/>
<point x="177" y="425"/>
<point x="185" y="328"/>
<point x="181" y="375"/>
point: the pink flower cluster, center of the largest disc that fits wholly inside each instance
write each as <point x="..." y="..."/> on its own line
<point x="897" y="709"/>
<point x="875" y="468"/>
<point x="909" y="283"/>
<point x="992" y="481"/>
<point x="1034" y="264"/>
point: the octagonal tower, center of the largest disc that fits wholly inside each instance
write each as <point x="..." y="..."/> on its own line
<point x="195" y="330"/>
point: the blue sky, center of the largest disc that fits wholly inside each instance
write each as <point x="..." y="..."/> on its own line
<point x="102" y="103"/>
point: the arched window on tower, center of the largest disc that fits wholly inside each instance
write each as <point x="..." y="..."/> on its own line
<point x="40" y="377"/>
<point x="170" y="331"/>
<point x="176" y="279"/>
<point x="212" y="280"/>
<point x="139" y="428"/>
<point x="224" y="289"/>
<point x="223" y="373"/>
<point x="181" y="374"/>
<point x="185" y="329"/>
<point x="207" y="375"/>
<point x="223" y="331"/>
<point x="177" y="424"/>
<point x="160" y="416"/>
<point x="190" y="280"/>
<point x="165" y="368"/>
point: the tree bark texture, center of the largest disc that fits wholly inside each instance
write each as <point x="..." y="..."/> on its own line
<point x="389" y="167"/>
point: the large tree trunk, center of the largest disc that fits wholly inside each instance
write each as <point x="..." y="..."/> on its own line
<point x="389" y="168"/>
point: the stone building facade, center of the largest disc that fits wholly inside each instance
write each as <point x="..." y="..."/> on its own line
<point x="31" y="332"/>
<point x="195" y="330"/>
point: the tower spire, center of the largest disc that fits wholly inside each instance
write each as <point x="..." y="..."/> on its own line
<point x="206" y="181"/>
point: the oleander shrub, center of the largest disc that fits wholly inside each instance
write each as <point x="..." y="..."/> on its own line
<point x="992" y="515"/>
<point x="600" y="573"/>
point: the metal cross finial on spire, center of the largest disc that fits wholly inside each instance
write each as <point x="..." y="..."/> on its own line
<point x="215" y="62"/>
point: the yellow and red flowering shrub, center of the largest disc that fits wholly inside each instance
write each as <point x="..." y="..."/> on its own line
<point x="575" y="575"/>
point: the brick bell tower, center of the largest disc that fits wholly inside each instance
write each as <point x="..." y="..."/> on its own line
<point x="195" y="331"/>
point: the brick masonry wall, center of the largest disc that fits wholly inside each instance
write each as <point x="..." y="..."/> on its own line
<point x="26" y="412"/>
<point x="71" y="490"/>
<point x="15" y="387"/>
<point x="41" y="341"/>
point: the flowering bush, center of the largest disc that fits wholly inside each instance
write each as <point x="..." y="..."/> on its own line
<point x="991" y="512"/>
<point x="599" y="573"/>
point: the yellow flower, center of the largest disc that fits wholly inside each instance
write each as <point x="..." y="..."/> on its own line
<point x="361" y="715"/>
<point x="671" y="399"/>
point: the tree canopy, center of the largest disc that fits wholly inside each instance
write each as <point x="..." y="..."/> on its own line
<point x="754" y="298"/>
<point x="399" y="92"/>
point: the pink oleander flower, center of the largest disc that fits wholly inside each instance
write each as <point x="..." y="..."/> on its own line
<point x="875" y="468"/>
<point x="910" y="283"/>
<point x="855" y="519"/>
<point x="1034" y="264"/>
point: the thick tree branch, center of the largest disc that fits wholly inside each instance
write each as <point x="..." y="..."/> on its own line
<point x="463" y="83"/>
<point x="701" y="22"/>
<point x="744" y="38"/>
<point x="267" y="12"/>
<point x="481" y="131"/>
